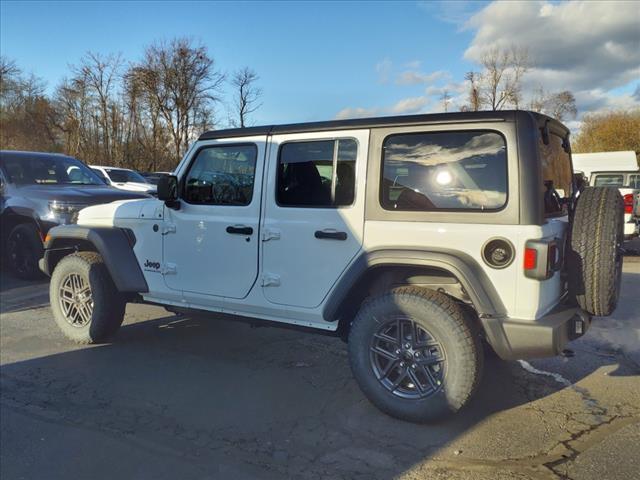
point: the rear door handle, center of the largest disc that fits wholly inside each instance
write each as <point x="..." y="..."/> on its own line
<point x="331" y="235"/>
<point x="239" y="230"/>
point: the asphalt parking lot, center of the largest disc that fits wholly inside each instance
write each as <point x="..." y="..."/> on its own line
<point x="181" y="398"/>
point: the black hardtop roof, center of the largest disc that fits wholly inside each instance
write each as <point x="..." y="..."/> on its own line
<point x="23" y="154"/>
<point x="423" y="119"/>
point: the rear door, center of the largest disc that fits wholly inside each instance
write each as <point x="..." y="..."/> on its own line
<point x="314" y="213"/>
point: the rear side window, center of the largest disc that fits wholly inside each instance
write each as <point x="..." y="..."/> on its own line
<point x="609" y="180"/>
<point x="634" y="181"/>
<point x="465" y="170"/>
<point x="318" y="173"/>
<point x="222" y="175"/>
<point x="557" y="175"/>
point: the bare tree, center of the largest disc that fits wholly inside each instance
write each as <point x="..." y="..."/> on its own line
<point x="445" y="98"/>
<point x="181" y="82"/>
<point x="559" y="105"/>
<point x="247" y="95"/>
<point x="475" y="100"/>
<point x="502" y="77"/>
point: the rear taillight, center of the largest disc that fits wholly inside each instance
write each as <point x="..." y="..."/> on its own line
<point x="541" y="258"/>
<point x="530" y="258"/>
<point x="628" y="203"/>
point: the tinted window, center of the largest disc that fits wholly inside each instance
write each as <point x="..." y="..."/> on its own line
<point x="222" y="175"/>
<point x="557" y="175"/>
<point x="444" y="171"/>
<point x="609" y="181"/>
<point x="48" y="171"/>
<point x="118" y="175"/>
<point x="634" y="181"/>
<point x="317" y="173"/>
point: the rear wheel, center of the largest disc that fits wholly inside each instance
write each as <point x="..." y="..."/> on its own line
<point x="595" y="250"/>
<point x="86" y="304"/>
<point x="415" y="355"/>
<point x="24" y="249"/>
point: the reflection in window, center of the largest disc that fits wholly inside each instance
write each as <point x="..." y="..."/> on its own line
<point x="444" y="171"/>
<point x="317" y="173"/>
<point x="222" y="175"/>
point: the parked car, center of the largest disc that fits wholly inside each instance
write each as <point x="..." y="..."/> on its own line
<point x="614" y="169"/>
<point x="124" y="179"/>
<point x="41" y="190"/>
<point x="413" y="237"/>
<point x="154" y="177"/>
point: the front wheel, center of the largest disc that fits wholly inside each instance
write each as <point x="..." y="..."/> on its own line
<point x="86" y="305"/>
<point x="415" y="355"/>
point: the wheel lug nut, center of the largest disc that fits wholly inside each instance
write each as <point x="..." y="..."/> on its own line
<point x="402" y="364"/>
<point x="407" y="346"/>
<point x="398" y="351"/>
<point x="417" y="354"/>
<point x="414" y="366"/>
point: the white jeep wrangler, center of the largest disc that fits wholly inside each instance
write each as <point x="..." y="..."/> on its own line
<point x="414" y="237"/>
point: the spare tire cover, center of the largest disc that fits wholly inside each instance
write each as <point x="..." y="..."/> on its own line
<point x="594" y="256"/>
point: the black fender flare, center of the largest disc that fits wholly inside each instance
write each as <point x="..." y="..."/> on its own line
<point x="469" y="273"/>
<point x="115" y="245"/>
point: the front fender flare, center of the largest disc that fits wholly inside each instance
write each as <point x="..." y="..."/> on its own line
<point x="112" y="243"/>
<point x="473" y="278"/>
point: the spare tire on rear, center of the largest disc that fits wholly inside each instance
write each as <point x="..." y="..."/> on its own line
<point x="594" y="257"/>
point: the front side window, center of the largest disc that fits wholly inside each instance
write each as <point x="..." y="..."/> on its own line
<point x="609" y="180"/>
<point x="318" y="173"/>
<point x="465" y="170"/>
<point x="222" y="175"/>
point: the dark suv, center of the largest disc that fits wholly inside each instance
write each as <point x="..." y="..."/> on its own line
<point x="39" y="191"/>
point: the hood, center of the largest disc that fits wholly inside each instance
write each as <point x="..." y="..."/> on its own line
<point x="109" y="214"/>
<point x="81" y="194"/>
<point x="135" y="186"/>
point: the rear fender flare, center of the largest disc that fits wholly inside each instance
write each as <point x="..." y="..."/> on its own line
<point x="469" y="273"/>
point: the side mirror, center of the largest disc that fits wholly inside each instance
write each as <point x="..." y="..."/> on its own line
<point x="168" y="190"/>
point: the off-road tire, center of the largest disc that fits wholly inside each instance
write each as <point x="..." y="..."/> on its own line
<point x="24" y="249"/>
<point x="447" y="323"/>
<point x="108" y="304"/>
<point x="594" y="257"/>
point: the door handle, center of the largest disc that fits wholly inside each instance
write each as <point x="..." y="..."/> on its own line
<point x="240" y="230"/>
<point x="331" y="235"/>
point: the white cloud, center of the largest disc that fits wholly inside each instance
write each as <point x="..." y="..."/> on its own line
<point x="409" y="105"/>
<point x="383" y="68"/>
<point x="412" y="77"/>
<point x="586" y="47"/>
<point x="405" y="106"/>
<point x="357" y="112"/>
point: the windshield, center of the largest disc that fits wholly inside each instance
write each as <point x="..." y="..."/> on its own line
<point x="118" y="175"/>
<point x="48" y="170"/>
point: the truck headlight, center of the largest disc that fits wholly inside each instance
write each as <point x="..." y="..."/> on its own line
<point x="64" y="212"/>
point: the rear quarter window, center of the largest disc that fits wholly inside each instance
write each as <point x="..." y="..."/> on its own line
<point x="449" y="171"/>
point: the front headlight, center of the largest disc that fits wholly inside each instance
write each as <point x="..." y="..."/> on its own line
<point x="64" y="212"/>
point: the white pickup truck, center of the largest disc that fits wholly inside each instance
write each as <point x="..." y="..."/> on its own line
<point x="615" y="169"/>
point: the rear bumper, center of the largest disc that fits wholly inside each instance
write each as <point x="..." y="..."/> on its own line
<point x="514" y="339"/>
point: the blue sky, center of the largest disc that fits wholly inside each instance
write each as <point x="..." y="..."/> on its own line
<point x="316" y="60"/>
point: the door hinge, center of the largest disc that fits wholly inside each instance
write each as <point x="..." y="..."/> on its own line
<point x="270" y="234"/>
<point x="168" y="228"/>
<point x="270" y="280"/>
<point x="169" y="269"/>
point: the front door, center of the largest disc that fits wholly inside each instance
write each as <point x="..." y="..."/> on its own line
<point x="211" y="241"/>
<point x="314" y="213"/>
